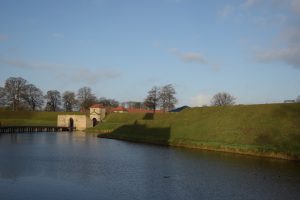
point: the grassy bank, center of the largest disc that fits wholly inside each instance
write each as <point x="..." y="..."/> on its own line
<point x="27" y="118"/>
<point x="271" y="130"/>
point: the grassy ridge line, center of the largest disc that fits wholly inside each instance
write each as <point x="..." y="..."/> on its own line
<point x="271" y="130"/>
<point x="28" y="118"/>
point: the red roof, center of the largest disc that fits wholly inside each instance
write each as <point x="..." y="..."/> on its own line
<point x="97" y="106"/>
<point x="119" y="108"/>
<point x="133" y="110"/>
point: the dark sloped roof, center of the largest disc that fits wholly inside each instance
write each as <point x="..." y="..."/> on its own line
<point x="179" y="109"/>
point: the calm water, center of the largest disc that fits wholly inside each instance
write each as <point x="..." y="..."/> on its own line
<point x="77" y="166"/>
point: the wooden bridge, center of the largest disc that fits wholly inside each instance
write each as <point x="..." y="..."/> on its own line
<point x="32" y="129"/>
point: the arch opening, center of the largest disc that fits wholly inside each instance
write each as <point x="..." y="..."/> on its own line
<point x="95" y="122"/>
<point x="71" y="124"/>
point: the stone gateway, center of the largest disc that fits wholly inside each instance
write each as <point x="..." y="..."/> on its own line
<point x="74" y="122"/>
<point x="80" y="122"/>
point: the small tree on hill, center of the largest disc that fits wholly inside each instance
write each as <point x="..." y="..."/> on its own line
<point x="167" y="97"/>
<point x="69" y="101"/>
<point x="85" y="97"/>
<point x="33" y="96"/>
<point x="14" y="89"/>
<point x="3" y="100"/>
<point x="223" y="99"/>
<point x="298" y="99"/>
<point x="152" y="100"/>
<point x="53" y="100"/>
<point x="108" y="102"/>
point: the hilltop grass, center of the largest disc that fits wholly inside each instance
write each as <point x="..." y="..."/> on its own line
<point x="271" y="130"/>
<point x="28" y="118"/>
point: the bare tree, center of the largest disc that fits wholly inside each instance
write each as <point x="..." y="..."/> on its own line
<point x="223" y="99"/>
<point x="53" y="100"/>
<point x="85" y="97"/>
<point x="167" y="97"/>
<point x="108" y="102"/>
<point x="298" y="99"/>
<point x="14" y="88"/>
<point x="3" y="100"/>
<point x="33" y="96"/>
<point x="152" y="99"/>
<point x="69" y="101"/>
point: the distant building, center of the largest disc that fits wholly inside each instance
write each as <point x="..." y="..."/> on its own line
<point x="289" y="101"/>
<point x="97" y="112"/>
<point x="122" y="109"/>
<point x="119" y="109"/>
<point x="133" y="105"/>
<point x="132" y="110"/>
<point x="179" y="109"/>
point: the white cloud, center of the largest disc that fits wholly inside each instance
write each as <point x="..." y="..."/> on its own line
<point x="200" y="100"/>
<point x="232" y="11"/>
<point x="156" y="44"/>
<point x="3" y="38"/>
<point x="87" y="76"/>
<point x="29" y="65"/>
<point x="193" y="57"/>
<point x="290" y="55"/>
<point x="287" y="51"/>
<point x="296" y="6"/>
<point x="226" y="11"/>
<point x="189" y="57"/>
<point x="174" y="50"/>
<point x="175" y="1"/>
<point x="68" y="72"/>
<point x="249" y="4"/>
<point x="279" y="14"/>
<point x="57" y="35"/>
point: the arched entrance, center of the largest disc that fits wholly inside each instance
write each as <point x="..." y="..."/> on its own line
<point x="95" y="122"/>
<point x="71" y="124"/>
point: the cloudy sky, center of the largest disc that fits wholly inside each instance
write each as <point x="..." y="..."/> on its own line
<point x="121" y="49"/>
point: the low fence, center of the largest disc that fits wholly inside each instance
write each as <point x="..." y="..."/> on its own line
<point x="32" y="129"/>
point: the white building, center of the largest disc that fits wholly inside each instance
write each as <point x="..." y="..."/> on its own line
<point x="97" y="112"/>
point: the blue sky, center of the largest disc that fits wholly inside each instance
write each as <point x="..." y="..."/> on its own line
<point x="121" y="49"/>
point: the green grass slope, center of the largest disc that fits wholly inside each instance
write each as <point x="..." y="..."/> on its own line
<point x="269" y="130"/>
<point x="28" y="118"/>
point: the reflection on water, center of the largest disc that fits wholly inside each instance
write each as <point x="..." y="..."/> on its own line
<point x="77" y="166"/>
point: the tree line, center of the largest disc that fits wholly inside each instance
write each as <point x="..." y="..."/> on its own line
<point x="18" y="94"/>
<point x="164" y="98"/>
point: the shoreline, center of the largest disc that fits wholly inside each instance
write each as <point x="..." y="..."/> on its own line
<point x="225" y="148"/>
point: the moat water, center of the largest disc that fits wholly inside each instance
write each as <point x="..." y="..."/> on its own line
<point x="79" y="166"/>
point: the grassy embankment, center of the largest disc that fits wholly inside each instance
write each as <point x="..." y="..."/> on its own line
<point x="27" y="118"/>
<point x="271" y="130"/>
